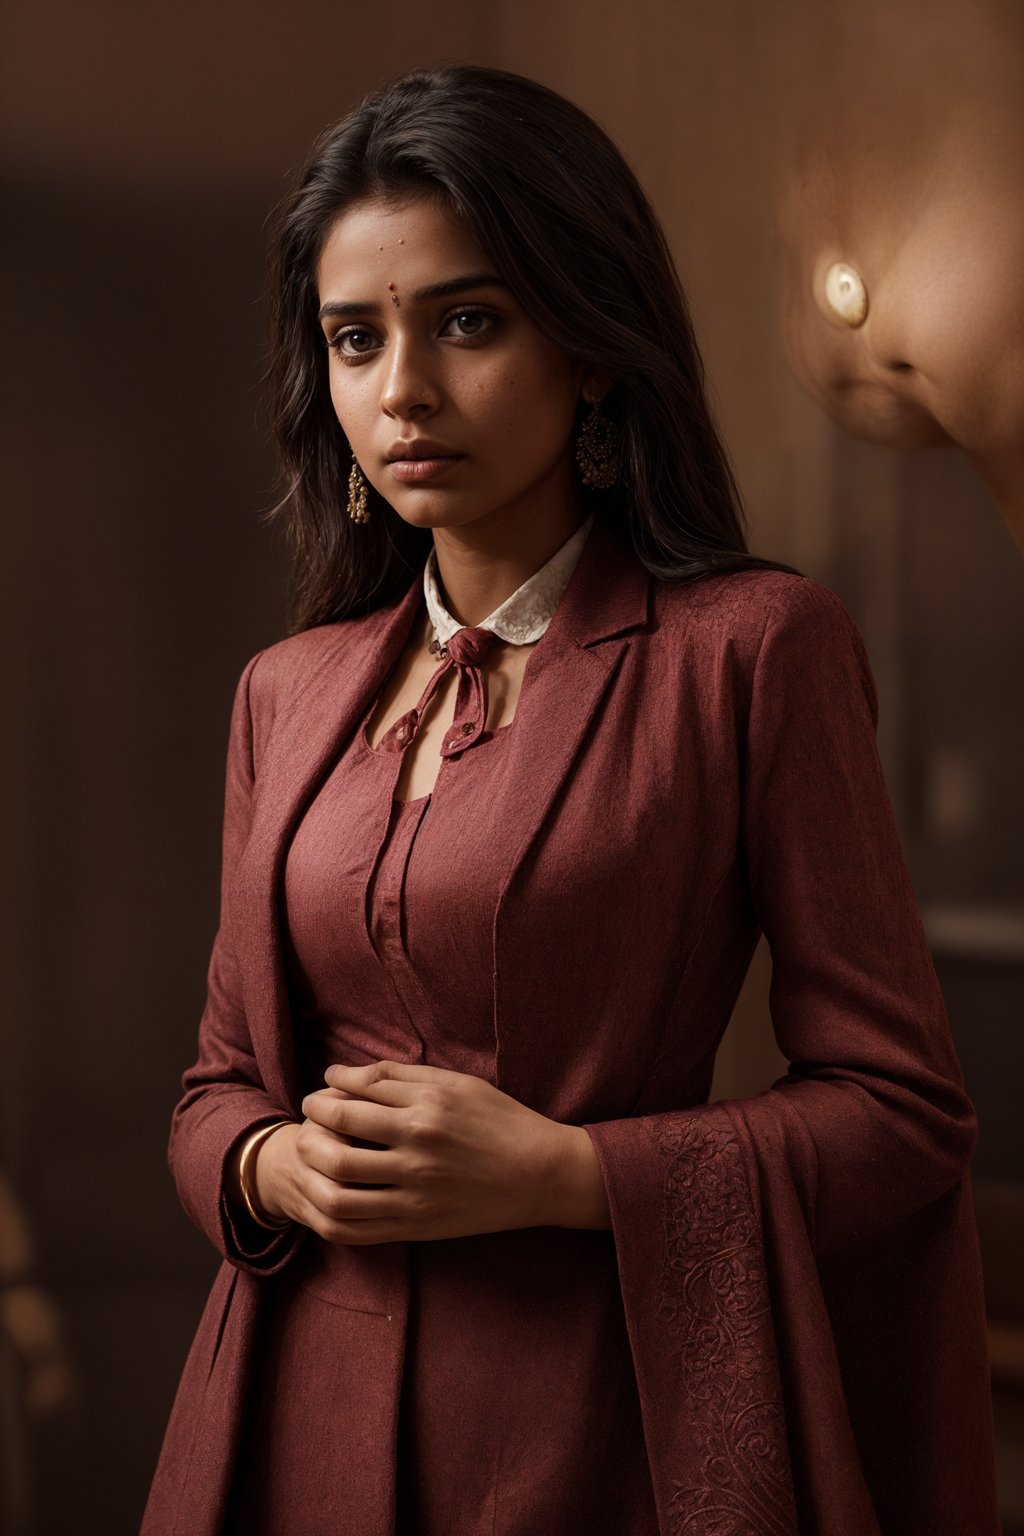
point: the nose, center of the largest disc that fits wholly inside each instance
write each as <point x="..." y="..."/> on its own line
<point x="409" y="388"/>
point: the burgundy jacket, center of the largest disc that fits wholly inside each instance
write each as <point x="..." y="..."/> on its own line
<point x="799" y="1270"/>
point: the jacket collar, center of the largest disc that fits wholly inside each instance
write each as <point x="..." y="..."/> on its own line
<point x="608" y="594"/>
<point x="522" y="618"/>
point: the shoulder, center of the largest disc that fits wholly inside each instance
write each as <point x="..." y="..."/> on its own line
<point x="277" y="676"/>
<point x="767" y="628"/>
<point x="277" y="672"/>
<point x="744" y="608"/>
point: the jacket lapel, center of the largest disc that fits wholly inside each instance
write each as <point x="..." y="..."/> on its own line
<point x="566" y="679"/>
<point x="303" y="743"/>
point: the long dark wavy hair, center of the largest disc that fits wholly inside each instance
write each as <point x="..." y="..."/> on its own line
<point x="552" y="202"/>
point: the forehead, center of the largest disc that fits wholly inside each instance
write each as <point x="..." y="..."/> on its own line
<point x="411" y="243"/>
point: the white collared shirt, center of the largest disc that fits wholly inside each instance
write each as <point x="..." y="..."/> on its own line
<point x="523" y="617"/>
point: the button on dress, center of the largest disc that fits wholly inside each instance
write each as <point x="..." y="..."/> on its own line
<point x="519" y="1412"/>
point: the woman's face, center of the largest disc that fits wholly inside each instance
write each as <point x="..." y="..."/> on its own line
<point x="457" y="408"/>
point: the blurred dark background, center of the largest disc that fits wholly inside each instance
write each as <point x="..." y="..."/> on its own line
<point x="143" y="146"/>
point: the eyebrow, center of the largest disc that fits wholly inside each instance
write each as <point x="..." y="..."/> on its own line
<point x="443" y="290"/>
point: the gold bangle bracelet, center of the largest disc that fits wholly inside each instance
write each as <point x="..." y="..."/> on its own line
<point x="255" y="1141"/>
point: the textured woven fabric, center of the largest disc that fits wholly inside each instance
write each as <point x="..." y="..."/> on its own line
<point x="799" y="1272"/>
<point x="388" y="909"/>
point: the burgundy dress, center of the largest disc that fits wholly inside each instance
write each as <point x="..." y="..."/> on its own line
<point x="690" y="763"/>
<point x="524" y="1415"/>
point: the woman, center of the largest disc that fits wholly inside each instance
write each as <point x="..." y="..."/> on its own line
<point x="505" y="816"/>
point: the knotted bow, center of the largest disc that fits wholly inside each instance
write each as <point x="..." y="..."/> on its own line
<point x="465" y="650"/>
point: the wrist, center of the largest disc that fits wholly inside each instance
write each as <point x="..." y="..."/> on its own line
<point x="576" y="1184"/>
<point x="253" y="1193"/>
<point x="266" y="1181"/>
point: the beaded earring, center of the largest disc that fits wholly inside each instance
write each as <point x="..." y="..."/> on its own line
<point x="597" y="451"/>
<point x="358" y="510"/>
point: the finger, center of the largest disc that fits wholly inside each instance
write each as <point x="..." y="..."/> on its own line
<point x="385" y="1090"/>
<point x="365" y="1234"/>
<point x="315" y="1128"/>
<point x="340" y="1203"/>
<point x="384" y="1081"/>
<point x="317" y="1204"/>
<point x="315" y="1104"/>
<point x="318" y="1197"/>
<point x="352" y="1165"/>
<point x="354" y="1117"/>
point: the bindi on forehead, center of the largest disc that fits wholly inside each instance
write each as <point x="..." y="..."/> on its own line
<point x="396" y="301"/>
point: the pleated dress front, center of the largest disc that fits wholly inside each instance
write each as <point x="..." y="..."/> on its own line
<point x="519" y="1412"/>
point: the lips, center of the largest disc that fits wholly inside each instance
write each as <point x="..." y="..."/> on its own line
<point x="420" y="459"/>
<point x="415" y="471"/>
<point x="419" y="448"/>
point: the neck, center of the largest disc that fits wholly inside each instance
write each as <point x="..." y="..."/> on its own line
<point x="479" y="567"/>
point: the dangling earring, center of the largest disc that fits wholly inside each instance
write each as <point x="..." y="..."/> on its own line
<point x="597" y="451"/>
<point x="358" y="511"/>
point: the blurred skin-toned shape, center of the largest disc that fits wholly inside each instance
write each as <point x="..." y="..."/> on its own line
<point x="28" y="1317"/>
<point x="906" y="167"/>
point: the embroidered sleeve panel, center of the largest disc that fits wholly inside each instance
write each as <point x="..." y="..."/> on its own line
<point x="714" y="1301"/>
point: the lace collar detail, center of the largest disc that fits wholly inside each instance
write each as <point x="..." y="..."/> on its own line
<point x="525" y="615"/>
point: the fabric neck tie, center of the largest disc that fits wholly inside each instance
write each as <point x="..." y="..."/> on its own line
<point x="465" y="650"/>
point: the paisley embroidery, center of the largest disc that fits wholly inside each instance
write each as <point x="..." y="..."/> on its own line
<point x="715" y="1303"/>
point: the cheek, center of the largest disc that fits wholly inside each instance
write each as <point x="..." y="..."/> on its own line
<point x="341" y="398"/>
<point x="345" y="401"/>
<point x="336" y="394"/>
<point x="526" y="400"/>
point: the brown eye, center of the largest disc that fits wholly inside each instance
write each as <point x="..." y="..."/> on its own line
<point x="470" y="323"/>
<point x="353" y="342"/>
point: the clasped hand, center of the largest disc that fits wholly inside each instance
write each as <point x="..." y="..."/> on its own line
<point x="451" y="1156"/>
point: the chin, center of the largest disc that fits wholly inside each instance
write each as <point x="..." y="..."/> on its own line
<point x="427" y="508"/>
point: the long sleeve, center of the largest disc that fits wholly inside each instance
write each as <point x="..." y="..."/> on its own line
<point x="874" y="1081"/>
<point x="800" y="1269"/>
<point x="224" y="1097"/>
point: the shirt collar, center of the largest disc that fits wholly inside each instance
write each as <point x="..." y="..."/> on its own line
<point x="525" y="615"/>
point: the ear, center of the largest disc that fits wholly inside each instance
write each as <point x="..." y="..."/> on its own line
<point x="596" y="383"/>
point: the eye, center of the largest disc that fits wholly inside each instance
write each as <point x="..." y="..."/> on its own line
<point x="470" y="323"/>
<point x="352" y="341"/>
